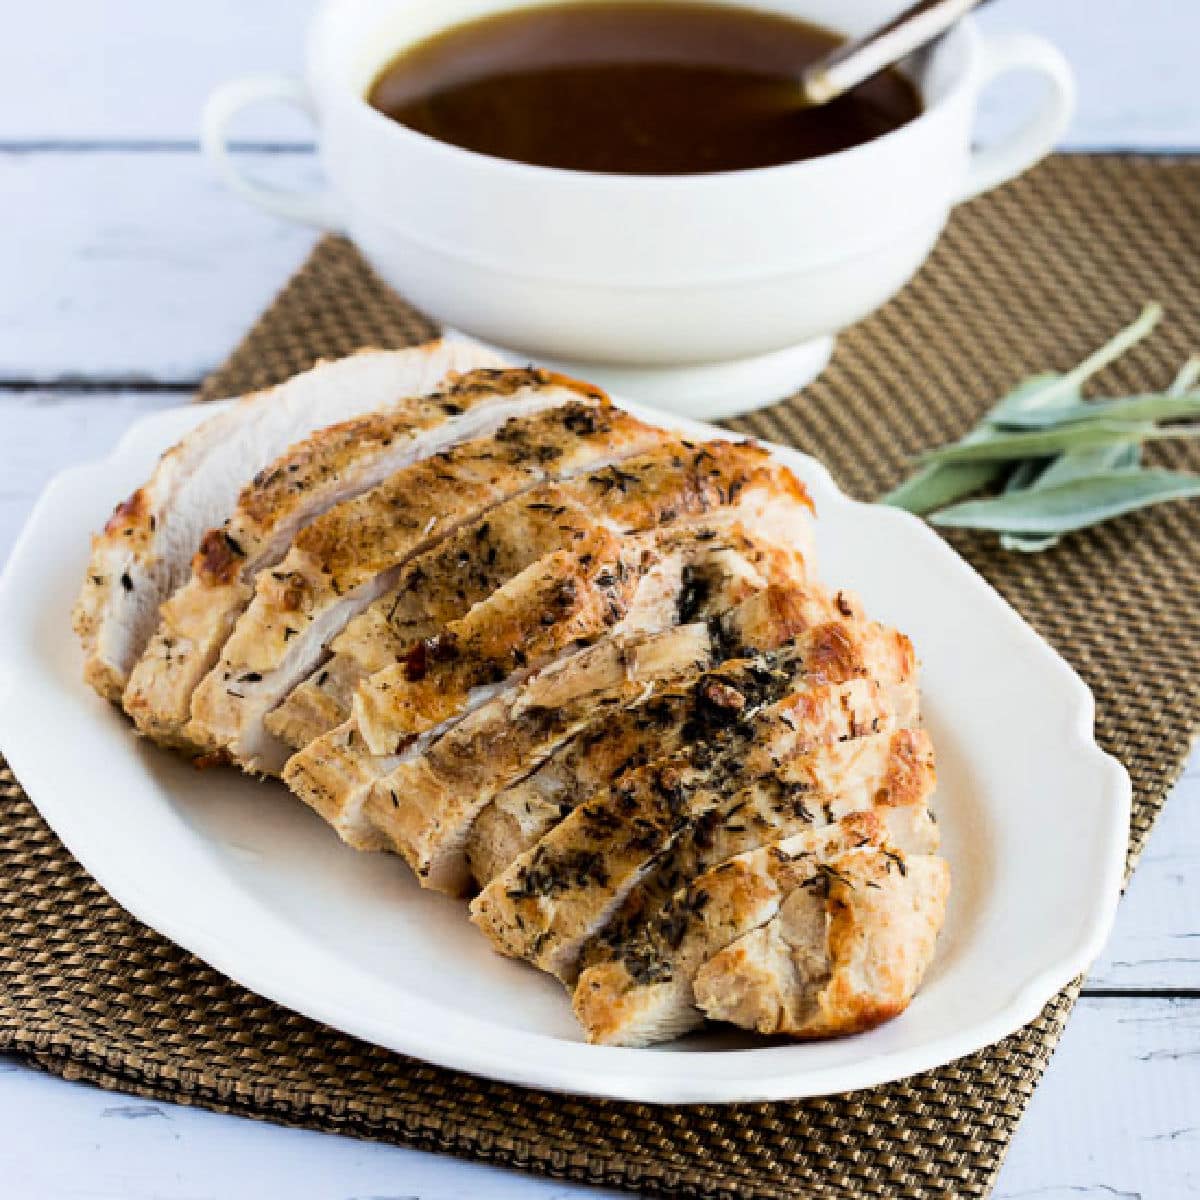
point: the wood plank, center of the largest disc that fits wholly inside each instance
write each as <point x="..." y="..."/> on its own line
<point x="1114" y="1117"/>
<point x="133" y="266"/>
<point x="1156" y="942"/>
<point x="134" y="69"/>
<point x="1135" y="90"/>
<point x="87" y="70"/>
<point x="106" y="1146"/>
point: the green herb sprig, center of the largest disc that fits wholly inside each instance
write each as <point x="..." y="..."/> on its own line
<point x="1062" y="463"/>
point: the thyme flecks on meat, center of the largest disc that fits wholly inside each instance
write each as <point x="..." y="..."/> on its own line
<point x="549" y="875"/>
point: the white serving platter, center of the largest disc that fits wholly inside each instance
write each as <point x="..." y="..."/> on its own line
<point x="1034" y="818"/>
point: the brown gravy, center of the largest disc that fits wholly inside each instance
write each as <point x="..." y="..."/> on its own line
<point x="634" y="88"/>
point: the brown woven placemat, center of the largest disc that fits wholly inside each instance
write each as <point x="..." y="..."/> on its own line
<point x="1029" y="278"/>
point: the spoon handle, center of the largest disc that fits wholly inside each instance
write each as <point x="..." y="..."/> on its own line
<point x="856" y="61"/>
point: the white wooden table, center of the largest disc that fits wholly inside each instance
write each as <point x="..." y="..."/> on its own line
<point x="126" y="273"/>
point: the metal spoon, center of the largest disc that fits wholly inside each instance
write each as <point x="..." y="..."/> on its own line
<point x="856" y="61"/>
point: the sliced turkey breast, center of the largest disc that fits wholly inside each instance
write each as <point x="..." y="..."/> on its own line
<point x="432" y="825"/>
<point x="334" y="776"/>
<point x="480" y="618"/>
<point x="429" y="828"/>
<point x="145" y="550"/>
<point x="599" y="755"/>
<point x="837" y="962"/>
<point x="720" y="482"/>
<point x="352" y="554"/>
<point x="557" y="896"/>
<point x="673" y="974"/>
<point x="333" y="465"/>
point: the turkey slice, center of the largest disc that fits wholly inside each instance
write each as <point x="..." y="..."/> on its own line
<point x="836" y="959"/>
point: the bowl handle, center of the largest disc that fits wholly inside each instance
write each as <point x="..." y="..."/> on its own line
<point x="317" y="208"/>
<point x="1036" y="136"/>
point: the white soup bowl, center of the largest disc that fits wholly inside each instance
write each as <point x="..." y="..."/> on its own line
<point x="704" y="294"/>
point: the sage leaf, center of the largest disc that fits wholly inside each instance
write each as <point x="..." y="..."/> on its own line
<point x="1058" y="389"/>
<point x="1174" y="404"/>
<point x="1093" y="461"/>
<point x="1064" y="469"/>
<point x="1025" y="474"/>
<point x="1151" y="407"/>
<point x="1041" y="443"/>
<point x="935" y="486"/>
<point x="1065" y="463"/>
<point x="937" y="483"/>
<point x="1077" y="504"/>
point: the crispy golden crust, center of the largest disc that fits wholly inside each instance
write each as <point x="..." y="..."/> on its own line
<point x="911" y="771"/>
<point x="131" y="517"/>
<point x="219" y="559"/>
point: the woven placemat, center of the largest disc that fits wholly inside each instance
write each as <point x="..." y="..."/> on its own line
<point x="1029" y="278"/>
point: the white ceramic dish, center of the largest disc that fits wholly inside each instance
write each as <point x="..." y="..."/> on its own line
<point x="724" y="288"/>
<point x="1034" y="818"/>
